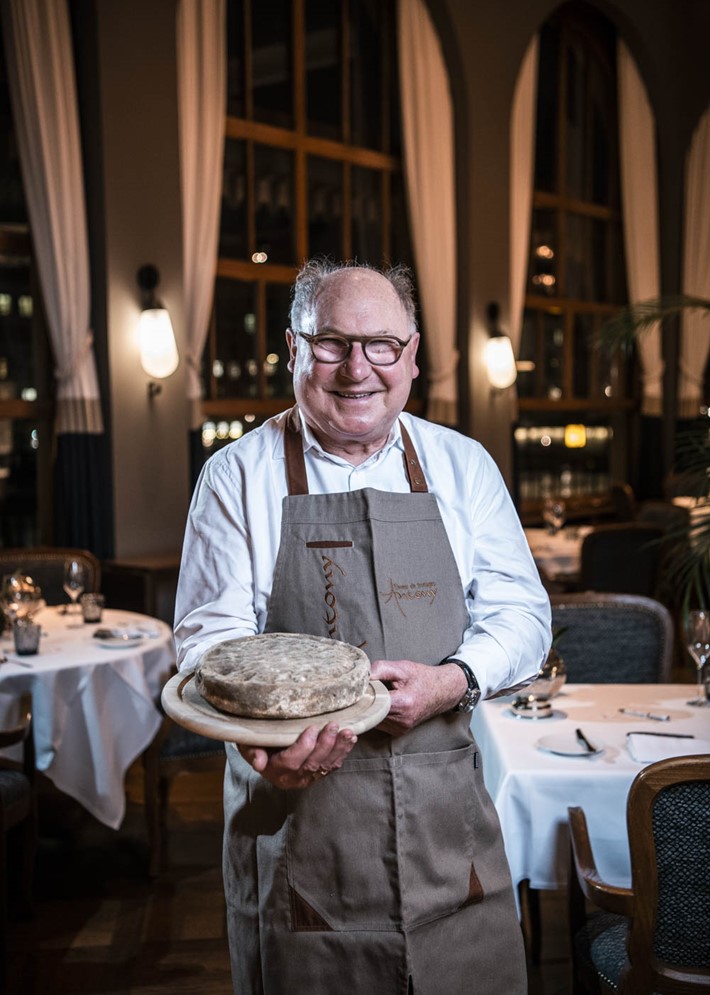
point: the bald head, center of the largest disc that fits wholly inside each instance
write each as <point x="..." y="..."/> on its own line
<point x="321" y="277"/>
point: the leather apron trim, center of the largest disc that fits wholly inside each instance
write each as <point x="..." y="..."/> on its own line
<point x="297" y="477"/>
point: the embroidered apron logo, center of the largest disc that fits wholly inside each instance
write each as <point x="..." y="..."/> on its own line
<point x="424" y="590"/>
<point x="331" y="616"/>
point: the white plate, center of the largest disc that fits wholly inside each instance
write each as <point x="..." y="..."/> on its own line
<point x="531" y="716"/>
<point x="117" y="643"/>
<point x="564" y="744"/>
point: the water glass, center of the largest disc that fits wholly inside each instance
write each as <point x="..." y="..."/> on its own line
<point x="92" y="605"/>
<point x="554" y="514"/>
<point x="26" y="634"/>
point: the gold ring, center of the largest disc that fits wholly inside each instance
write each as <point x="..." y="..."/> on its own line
<point x="321" y="772"/>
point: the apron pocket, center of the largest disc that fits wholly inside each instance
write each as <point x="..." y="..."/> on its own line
<point x="384" y="843"/>
<point x="341" y="850"/>
<point x="436" y="834"/>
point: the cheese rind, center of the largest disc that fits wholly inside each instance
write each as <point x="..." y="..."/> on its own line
<point x="282" y="675"/>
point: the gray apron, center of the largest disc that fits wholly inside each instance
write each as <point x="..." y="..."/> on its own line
<point x="392" y="867"/>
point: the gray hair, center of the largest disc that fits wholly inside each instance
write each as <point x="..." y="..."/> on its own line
<point x="314" y="272"/>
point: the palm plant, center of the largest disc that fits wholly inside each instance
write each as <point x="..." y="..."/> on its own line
<point x="688" y="566"/>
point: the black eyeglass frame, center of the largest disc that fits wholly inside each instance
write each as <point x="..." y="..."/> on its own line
<point x="349" y="341"/>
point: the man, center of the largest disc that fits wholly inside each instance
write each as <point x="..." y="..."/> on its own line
<point x="374" y="864"/>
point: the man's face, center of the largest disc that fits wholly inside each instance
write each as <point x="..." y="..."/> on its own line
<point x="352" y="406"/>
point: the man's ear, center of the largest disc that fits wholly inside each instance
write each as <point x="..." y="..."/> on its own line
<point x="291" y="342"/>
<point x="415" y="347"/>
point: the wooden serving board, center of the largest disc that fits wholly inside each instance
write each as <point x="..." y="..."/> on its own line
<point x="186" y="706"/>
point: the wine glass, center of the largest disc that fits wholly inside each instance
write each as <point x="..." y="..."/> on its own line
<point x="74" y="579"/>
<point x="554" y="513"/>
<point x="19" y="597"/>
<point x="697" y="641"/>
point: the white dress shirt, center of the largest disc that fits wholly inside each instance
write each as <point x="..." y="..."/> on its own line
<point x="234" y="524"/>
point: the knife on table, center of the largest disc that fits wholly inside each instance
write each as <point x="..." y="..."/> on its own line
<point x="584" y="741"/>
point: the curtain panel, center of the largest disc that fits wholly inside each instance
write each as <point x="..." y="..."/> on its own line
<point x="428" y="139"/>
<point x="43" y="93"/>
<point x="40" y="66"/>
<point x="202" y="61"/>
<point x="523" y="123"/>
<point x="639" y="197"/>
<point x="695" y="326"/>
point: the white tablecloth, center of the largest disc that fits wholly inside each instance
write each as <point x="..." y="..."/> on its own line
<point x="557" y="556"/>
<point x="94" y="707"/>
<point x="532" y="789"/>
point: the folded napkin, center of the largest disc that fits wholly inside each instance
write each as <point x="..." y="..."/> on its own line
<point x="647" y="747"/>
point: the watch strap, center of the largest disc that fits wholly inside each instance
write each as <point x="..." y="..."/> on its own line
<point x="472" y="694"/>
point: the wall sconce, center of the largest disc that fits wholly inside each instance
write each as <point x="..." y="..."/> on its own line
<point x="499" y="358"/>
<point x="156" y="339"/>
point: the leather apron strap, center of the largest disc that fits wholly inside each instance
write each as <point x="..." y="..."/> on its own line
<point x="297" y="477"/>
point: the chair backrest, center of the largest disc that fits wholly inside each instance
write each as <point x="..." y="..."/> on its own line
<point x="613" y="638"/>
<point x="623" y="500"/>
<point x="621" y="557"/>
<point x="45" y="565"/>
<point x="668" y="815"/>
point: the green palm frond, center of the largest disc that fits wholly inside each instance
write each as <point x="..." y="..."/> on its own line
<point x="687" y="566"/>
<point x="621" y="330"/>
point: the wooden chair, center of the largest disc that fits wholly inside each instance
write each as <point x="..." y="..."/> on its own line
<point x="45" y="565"/>
<point x="609" y="638"/>
<point x="622" y="557"/>
<point x="617" y="638"/>
<point x="654" y="936"/>
<point x="174" y="750"/>
<point x="18" y="818"/>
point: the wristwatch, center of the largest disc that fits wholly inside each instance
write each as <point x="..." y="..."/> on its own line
<point x="473" y="692"/>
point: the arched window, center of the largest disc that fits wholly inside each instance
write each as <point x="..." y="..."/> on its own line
<point x="576" y="275"/>
<point x="311" y="167"/>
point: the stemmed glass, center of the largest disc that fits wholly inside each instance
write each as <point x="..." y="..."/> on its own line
<point x="74" y="579"/>
<point x="554" y="513"/>
<point x="697" y="641"/>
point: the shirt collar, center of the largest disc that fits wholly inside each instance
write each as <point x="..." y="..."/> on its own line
<point x="311" y="443"/>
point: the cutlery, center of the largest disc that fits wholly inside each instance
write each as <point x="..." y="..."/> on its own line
<point x="645" y="715"/>
<point x="584" y="741"/>
<point x="672" y="735"/>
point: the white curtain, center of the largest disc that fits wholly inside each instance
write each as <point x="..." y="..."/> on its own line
<point x="522" y="168"/>
<point x="695" y="338"/>
<point x="428" y="137"/>
<point x="201" y="47"/>
<point x="639" y="196"/>
<point x="40" y="64"/>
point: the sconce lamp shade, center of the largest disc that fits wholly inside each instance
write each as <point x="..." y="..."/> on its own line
<point x="499" y="357"/>
<point x="500" y="362"/>
<point x="156" y="340"/>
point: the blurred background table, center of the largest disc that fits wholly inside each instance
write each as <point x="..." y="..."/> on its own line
<point x="94" y="703"/>
<point x="558" y="556"/>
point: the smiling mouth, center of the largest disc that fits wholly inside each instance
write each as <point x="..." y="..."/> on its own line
<point x="354" y="395"/>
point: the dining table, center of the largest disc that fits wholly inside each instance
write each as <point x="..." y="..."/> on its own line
<point x="558" y="554"/>
<point x="535" y="768"/>
<point x="95" y="692"/>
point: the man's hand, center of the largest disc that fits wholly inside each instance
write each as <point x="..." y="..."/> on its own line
<point x="312" y="756"/>
<point x="417" y="691"/>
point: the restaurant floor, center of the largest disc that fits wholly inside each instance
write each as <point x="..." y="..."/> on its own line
<point x="102" y="928"/>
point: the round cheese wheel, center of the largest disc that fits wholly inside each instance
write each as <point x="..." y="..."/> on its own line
<point x="282" y="675"/>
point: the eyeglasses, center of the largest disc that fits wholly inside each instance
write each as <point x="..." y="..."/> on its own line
<point x="329" y="348"/>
